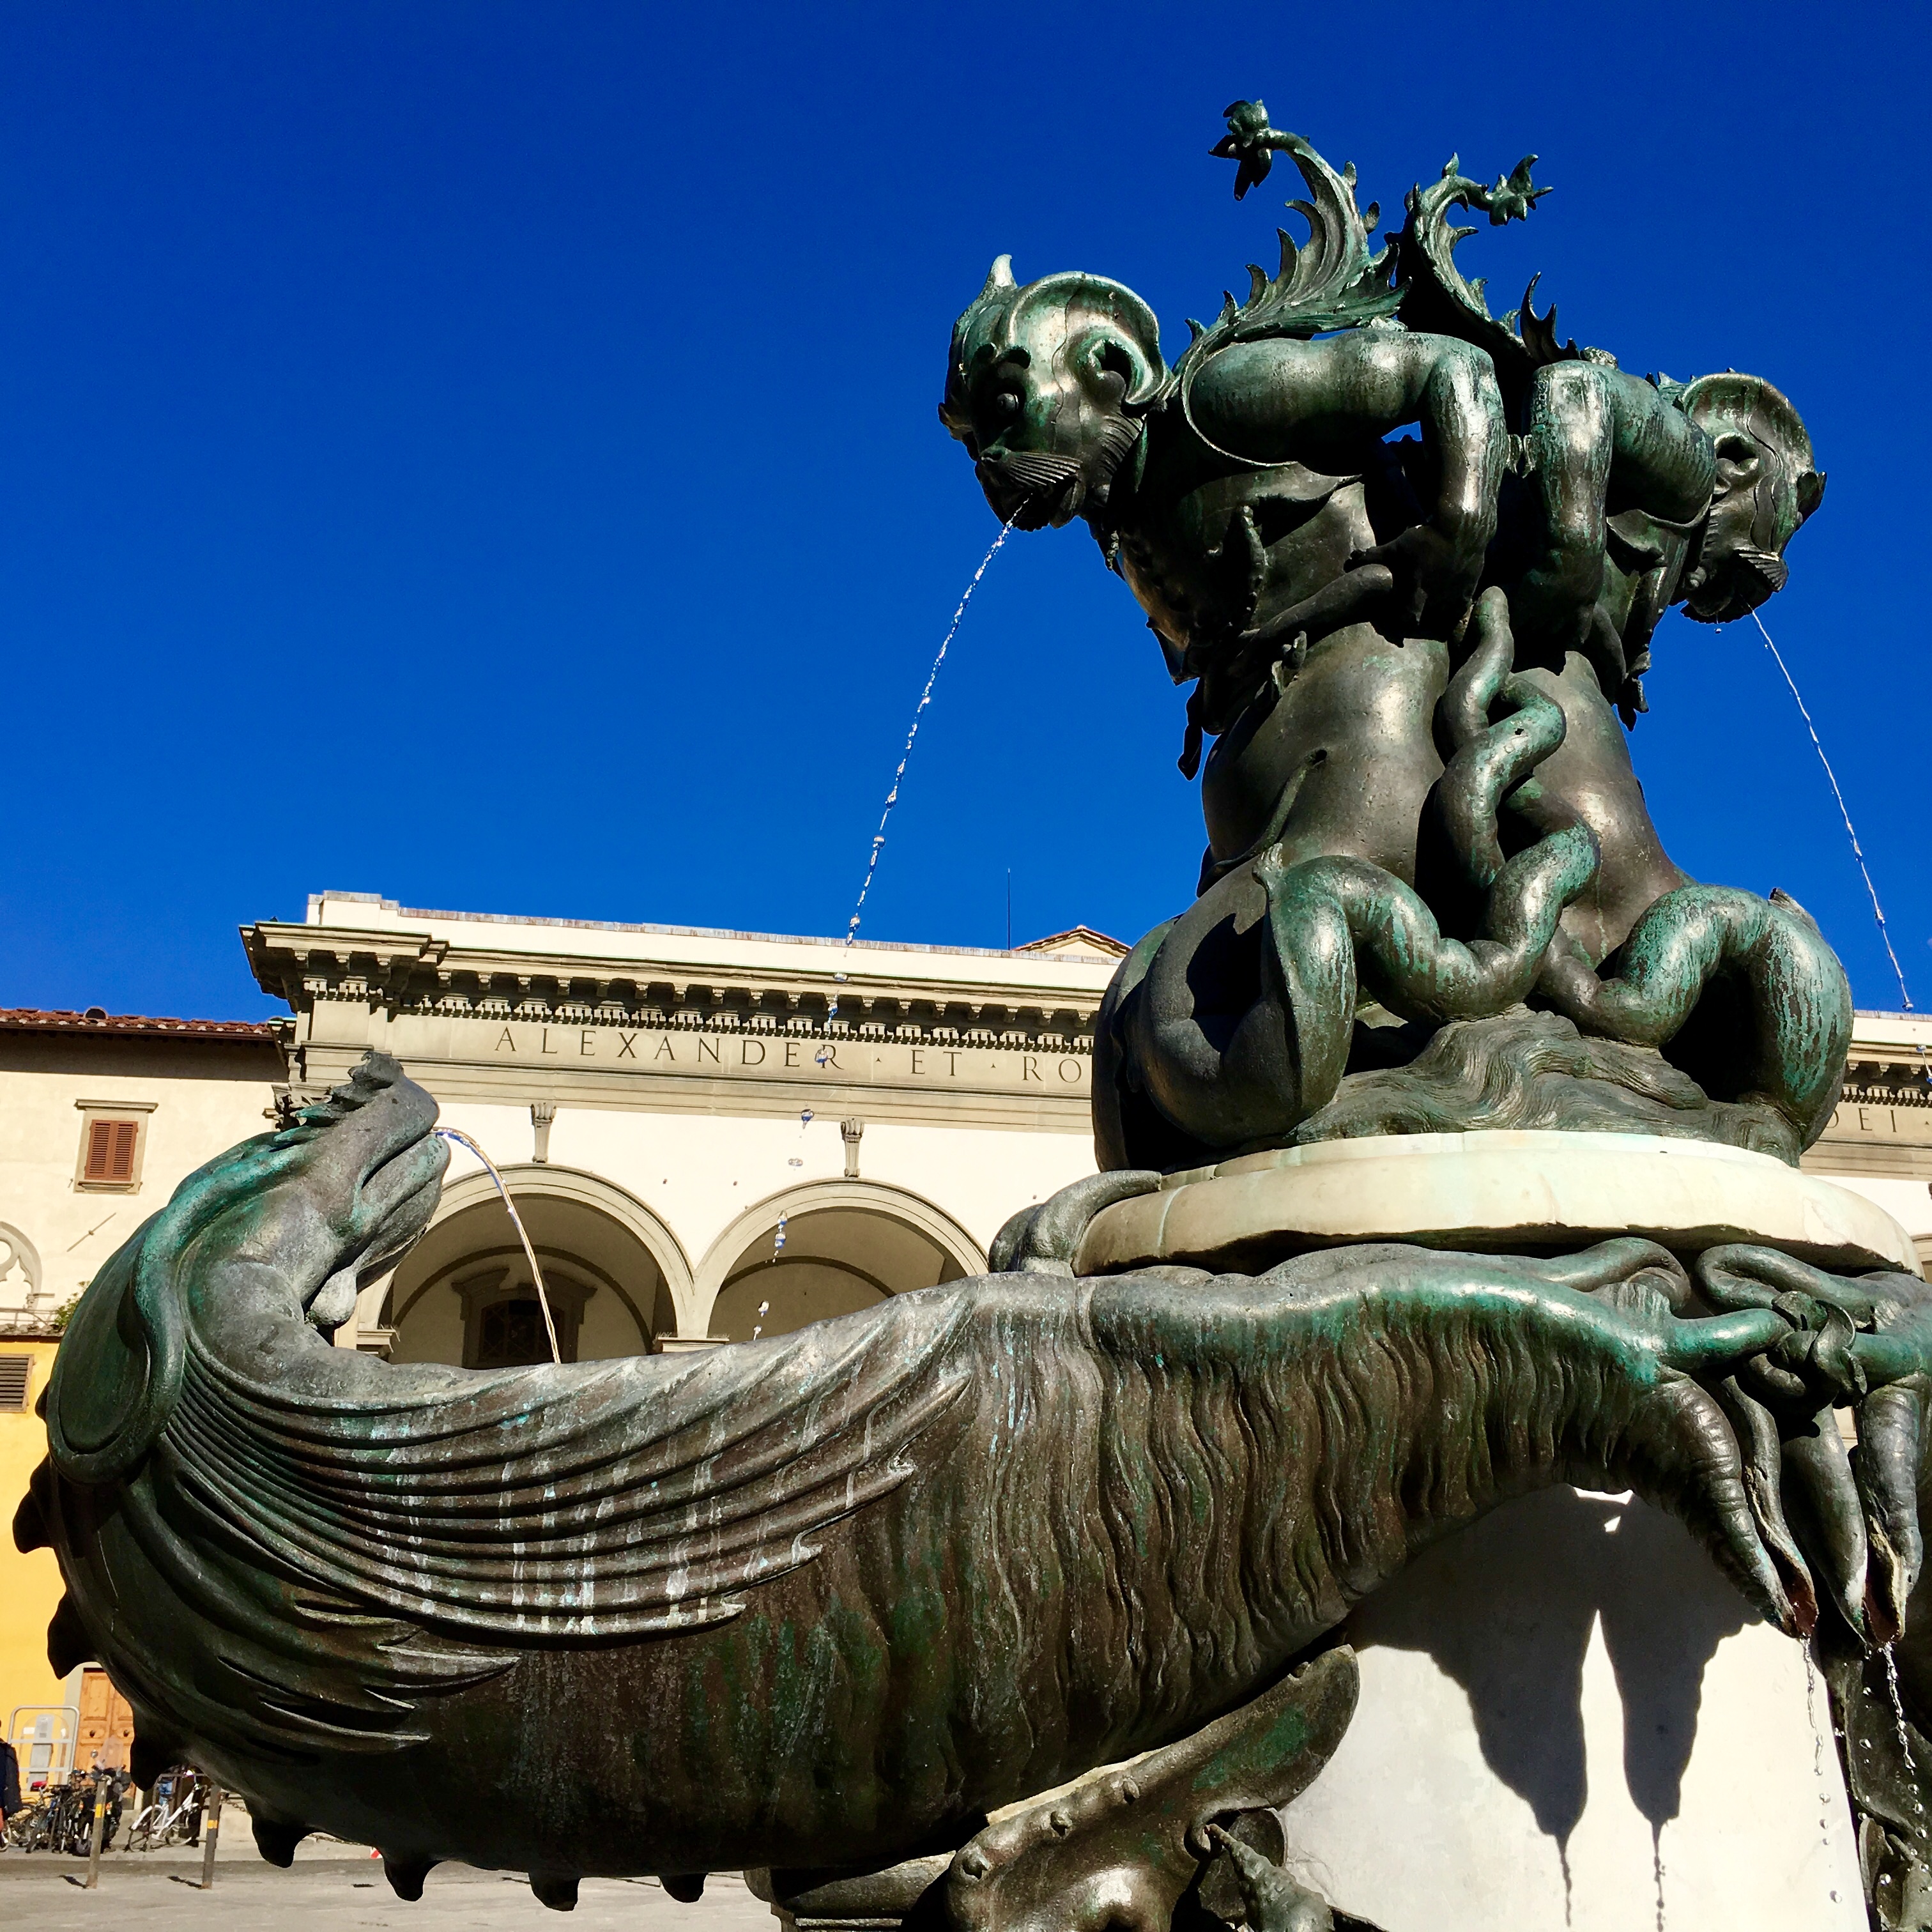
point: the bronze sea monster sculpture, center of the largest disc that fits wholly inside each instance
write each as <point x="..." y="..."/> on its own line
<point x="828" y="1600"/>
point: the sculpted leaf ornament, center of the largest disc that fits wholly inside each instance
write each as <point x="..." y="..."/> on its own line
<point x="1331" y="281"/>
<point x="1250" y="141"/>
<point x="1437" y="296"/>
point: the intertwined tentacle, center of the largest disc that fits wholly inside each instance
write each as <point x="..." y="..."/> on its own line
<point x="1334" y="920"/>
<point x="1492" y="757"/>
<point x="1855" y="1515"/>
<point x="1335" y="926"/>
<point x="1793" y="1002"/>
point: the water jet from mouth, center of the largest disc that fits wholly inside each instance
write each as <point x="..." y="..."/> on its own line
<point x="905" y="756"/>
<point x="517" y="1222"/>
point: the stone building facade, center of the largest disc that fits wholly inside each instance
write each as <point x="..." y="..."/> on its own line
<point x="706" y="1133"/>
<point x="101" y="1116"/>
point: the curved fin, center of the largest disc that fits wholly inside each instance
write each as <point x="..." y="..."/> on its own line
<point x="33" y="1521"/>
<point x="69" y="1646"/>
<point x="1435" y="296"/>
<point x="1331" y="281"/>
<point x="276" y="1838"/>
<point x="557" y="1890"/>
<point x="406" y="1874"/>
<point x="663" y="1484"/>
<point x="153" y="1752"/>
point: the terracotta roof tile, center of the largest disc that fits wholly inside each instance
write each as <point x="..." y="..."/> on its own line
<point x="1077" y="936"/>
<point x="96" y="1020"/>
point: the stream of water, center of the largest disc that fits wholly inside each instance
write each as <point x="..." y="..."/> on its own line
<point x="1845" y="813"/>
<point x="1827" y="1797"/>
<point x="517" y="1222"/>
<point x="905" y="755"/>
<point x="1898" y="1725"/>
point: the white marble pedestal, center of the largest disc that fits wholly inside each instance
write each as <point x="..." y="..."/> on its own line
<point x="1569" y="1719"/>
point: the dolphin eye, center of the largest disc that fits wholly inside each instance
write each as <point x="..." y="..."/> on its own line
<point x="1006" y="404"/>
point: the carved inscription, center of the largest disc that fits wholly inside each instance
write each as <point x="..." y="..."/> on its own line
<point x="744" y="1056"/>
<point x="1866" y="1120"/>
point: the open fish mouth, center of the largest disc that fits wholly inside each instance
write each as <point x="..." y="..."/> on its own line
<point x="1031" y="489"/>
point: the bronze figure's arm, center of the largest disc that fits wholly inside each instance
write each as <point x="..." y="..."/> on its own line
<point x="1318" y="402"/>
<point x="1588" y="422"/>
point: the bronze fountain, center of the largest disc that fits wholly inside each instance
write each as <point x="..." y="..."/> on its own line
<point x="848" y="1608"/>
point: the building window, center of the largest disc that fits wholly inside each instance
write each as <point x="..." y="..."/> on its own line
<point x="511" y="1333"/>
<point x="15" y="1372"/>
<point x="110" y="1153"/>
<point x="502" y="1322"/>
<point x="112" y="1140"/>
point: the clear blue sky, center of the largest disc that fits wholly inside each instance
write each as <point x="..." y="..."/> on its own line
<point x="486" y="455"/>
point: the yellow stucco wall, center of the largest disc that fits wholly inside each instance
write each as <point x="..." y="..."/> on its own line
<point x="30" y="1586"/>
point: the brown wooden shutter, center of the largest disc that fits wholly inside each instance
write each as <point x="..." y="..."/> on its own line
<point x="110" y="1150"/>
<point x="14" y="1370"/>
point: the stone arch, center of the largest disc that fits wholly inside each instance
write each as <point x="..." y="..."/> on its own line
<point x="848" y="1244"/>
<point x="618" y="1278"/>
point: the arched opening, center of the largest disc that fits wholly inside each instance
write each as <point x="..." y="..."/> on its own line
<point x="847" y="1246"/>
<point x="464" y="1295"/>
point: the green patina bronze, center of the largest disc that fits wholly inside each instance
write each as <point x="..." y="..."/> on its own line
<point x="1411" y="655"/>
<point x="816" y="1606"/>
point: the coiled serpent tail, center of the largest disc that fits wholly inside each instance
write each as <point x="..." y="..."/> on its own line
<point x="1491" y="758"/>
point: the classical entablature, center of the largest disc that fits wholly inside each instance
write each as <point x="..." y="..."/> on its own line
<point x="1883" y="1127"/>
<point x="738" y="1021"/>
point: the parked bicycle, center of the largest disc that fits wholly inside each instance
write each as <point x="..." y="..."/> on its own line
<point x="75" y="1824"/>
<point x="173" y="1815"/>
<point x="63" y="1819"/>
<point x="26" y="1828"/>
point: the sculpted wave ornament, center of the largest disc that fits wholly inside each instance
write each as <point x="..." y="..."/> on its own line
<point x="830" y="1599"/>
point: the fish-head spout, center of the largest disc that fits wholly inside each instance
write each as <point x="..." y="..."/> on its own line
<point x="260" y="1254"/>
<point x="342" y="1193"/>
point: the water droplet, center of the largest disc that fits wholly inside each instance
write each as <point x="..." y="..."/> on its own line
<point x="1825" y="1806"/>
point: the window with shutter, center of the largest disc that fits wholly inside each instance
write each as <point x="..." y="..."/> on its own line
<point x="14" y="1371"/>
<point x="109" y="1148"/>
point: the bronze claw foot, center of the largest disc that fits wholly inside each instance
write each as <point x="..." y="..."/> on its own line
<point x="1123" y="1849"/>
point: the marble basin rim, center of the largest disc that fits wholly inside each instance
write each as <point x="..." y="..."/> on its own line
<point x="1516" y="1191"/>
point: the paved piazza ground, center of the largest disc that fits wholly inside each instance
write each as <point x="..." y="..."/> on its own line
<point x="332" y="1885"/>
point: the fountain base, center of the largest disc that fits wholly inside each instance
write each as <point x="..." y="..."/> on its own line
<point x="1531" y="1191"/>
